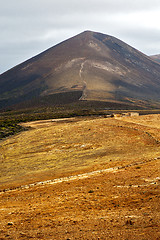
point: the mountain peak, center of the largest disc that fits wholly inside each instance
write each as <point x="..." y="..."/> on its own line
<point x="90" y="66"/>
<point x="87" y="32"/>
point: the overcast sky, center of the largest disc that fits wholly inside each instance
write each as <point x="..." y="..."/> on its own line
<point x="30" y="27"/>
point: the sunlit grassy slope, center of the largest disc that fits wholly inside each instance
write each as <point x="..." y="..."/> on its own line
<point x="60" y="148"/>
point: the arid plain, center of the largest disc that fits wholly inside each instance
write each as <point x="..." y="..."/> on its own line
<point x="82" y="178"/>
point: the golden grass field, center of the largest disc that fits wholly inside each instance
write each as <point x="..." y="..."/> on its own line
<point x="116" y="204"/>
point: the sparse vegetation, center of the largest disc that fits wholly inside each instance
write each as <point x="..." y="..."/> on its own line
<point x="75" y="145"/>
<point x="110" y="204"/>
<point x="10" y="119"/>
<point x="8" y="128"/>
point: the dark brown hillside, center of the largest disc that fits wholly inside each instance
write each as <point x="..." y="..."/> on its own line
<point x="99" y="66"/>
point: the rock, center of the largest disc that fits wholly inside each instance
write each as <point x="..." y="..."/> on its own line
<point x="10" y="223"/>
<point x="129" y="222"/>
<point x="90" y="191"/>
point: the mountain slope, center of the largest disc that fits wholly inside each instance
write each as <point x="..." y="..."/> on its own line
<point x="156" y="57"/>
<point x="94" y="65"/>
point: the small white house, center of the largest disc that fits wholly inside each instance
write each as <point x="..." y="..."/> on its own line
<point x="134" y="114"/>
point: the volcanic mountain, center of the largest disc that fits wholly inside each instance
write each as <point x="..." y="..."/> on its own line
<point x="156" y="57"/>
<point x="90" y="66"/>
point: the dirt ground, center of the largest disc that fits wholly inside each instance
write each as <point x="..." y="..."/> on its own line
<point x="120" y="202"/>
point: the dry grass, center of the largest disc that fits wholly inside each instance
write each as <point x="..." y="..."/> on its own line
<point x="110" y="205"/>
<point x="60" y="148"/>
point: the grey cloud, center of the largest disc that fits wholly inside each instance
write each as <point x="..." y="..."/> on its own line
<point x="19" y="8"/>
<point x="147" y="40"/>
<point x="29" y="27"/>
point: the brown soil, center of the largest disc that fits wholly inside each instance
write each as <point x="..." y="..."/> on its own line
<point x="119" y="203"/>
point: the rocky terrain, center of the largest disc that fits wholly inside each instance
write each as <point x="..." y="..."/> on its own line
<point x="82" y="178"/>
